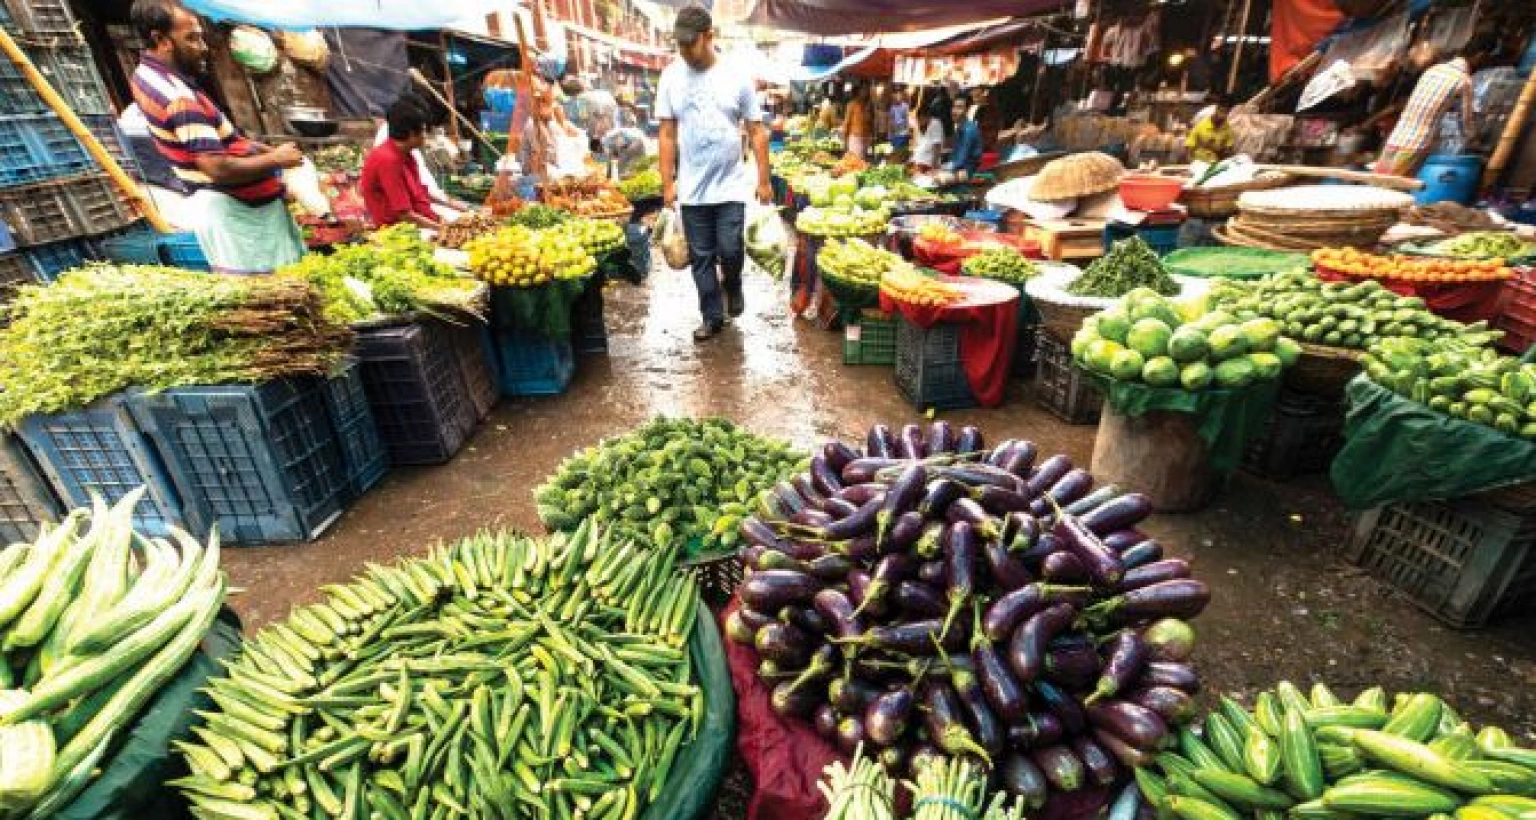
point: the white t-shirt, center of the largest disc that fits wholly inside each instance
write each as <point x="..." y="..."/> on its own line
<point x="930" y="145"/>
<point x="709" y="107"/>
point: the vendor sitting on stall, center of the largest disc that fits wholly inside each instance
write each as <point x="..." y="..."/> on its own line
<point x="1211" y="139"/>
<point x="391" y="182"/>
<point x="445" y="207"/>
<point x="967" y="154"/>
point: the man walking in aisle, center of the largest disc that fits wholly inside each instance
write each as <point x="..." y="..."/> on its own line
<point x="707" y="103"/>
<point x="237" y="183"/>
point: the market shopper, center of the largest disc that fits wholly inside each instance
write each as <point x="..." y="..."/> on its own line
<point x="1211" y="140"/>
<point x="967" y="154"/>
<point x="1444" y="85"/>
<point x="391" y="182"/>
<point x="929" y="150"/>
<point x="900" y="120"/>
<point x="859" y="122"/>
<point x="236" y="183"/>
<point x="703" y="105"/>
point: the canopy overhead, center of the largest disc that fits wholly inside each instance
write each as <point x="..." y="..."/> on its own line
<point x="839" y="17"/>
<point x="399" y="15"/>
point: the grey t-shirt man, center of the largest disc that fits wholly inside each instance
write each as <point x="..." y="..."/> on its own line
<point x="710" y="107"/>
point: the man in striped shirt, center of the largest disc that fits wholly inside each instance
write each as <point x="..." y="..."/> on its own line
<point x="1419" y="125"/>
<point x="236" y="183"/>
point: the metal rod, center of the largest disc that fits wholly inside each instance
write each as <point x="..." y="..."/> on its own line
<point x="1237" y="54"/>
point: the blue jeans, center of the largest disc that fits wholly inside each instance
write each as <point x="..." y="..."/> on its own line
<point x="715" y="250"/>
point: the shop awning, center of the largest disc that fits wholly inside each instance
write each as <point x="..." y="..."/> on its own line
<point x="986" y="38"/>
<point x="837" y="17"/>
<point x="400" y="15"/>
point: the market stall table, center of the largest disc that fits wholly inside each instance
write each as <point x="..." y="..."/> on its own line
<point x="989" y="320"/>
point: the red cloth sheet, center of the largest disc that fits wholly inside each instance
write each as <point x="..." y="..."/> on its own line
<point x="1296" y="27"/>
<point x="947" y="259"/>
<point x="1463" y="301"/>
<point x="786" y="756"/>
<point x="989" y="316"/>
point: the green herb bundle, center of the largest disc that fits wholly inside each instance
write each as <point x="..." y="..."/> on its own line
<point x="393" y="274"/>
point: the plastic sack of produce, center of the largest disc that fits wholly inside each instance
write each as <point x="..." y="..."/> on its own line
<point x="1398" y="450"/>
<point x="253" y="49"/>
<point x="1228" y="419"/>
<point x="671" y="239"/>
<point x="767" y="240"/>
<point x="131" y="784"/>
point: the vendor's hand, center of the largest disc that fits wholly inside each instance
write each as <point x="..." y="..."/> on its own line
<point x="287" y="155"/>
<point x="765" y="193"/>
<point x="669" y="194"/>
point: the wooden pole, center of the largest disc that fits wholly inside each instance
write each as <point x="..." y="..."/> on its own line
<point x="452" y="101"/>
<point x="428" y="86"/>
<point x="1237" y="55"/>
<point x="130" y="189"/>
<point x="1512" y="130"/>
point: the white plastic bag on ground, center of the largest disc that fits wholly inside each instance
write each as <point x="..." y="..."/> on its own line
<point x="671" y="239"/>
<point x="767" y="239"/>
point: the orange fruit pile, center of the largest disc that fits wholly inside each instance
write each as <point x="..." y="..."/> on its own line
<point x="1428" y="269"/>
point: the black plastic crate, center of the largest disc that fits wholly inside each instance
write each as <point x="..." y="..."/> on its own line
<point x="1300" y="437"/>
<point x="416" y="389"/>
<point x="1465" y="561"/>
<point x="41" y="16"/>
<point x="589" y="329"/>
<point x="1024" y="351"/>
<point x="262" y="462"/>
<point x="26" y="501"/>
<point x="870" y="340"/>
<point x="929" y="371"/>
<point x="101" y="450"/>
<point x="69" y="68"/>
<point x="532" y="364"/>
<point x="362" y="449"/>
<point x="474" y="355"/>
<point x="64" y="209"/>
<point x="1061" y="386"/>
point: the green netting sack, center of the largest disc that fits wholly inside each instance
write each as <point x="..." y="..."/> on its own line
<point x="545" y="309"/>
<point x="131" y="784"/>
<point x="690" y="789"/>
<point x="1397" y="450"/>
<point x="1228" y="419"/>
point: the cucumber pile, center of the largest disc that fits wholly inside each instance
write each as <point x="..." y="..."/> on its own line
<point x="687" y="481"/>
<point x="1319" y="758"/>
<point x="1339" y="314"/>
<point x="1460" y="380"/>
<point x="497" y="677"/>
<point x="94" y="620"/>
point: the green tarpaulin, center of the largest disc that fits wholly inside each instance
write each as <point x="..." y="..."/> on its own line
<point x="1228" y="419"/>
<point x="545" y="309"/>
<point x="1398" y="450"/>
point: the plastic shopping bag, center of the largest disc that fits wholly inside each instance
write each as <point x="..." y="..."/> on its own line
<point x="304" y="183"/>
<point x="767" y="240"/>
<point x="671" y="239"/>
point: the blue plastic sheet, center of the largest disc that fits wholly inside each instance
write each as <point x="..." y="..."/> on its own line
<point x="403" y="15"/>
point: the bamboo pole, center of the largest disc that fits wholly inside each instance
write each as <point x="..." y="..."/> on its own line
<point x="427" y="86"/>
<point x="1237" y="54"/>
<point x="135" y="195"/>
<point x="453" y="124"/>
<point x="1512" y="130"/>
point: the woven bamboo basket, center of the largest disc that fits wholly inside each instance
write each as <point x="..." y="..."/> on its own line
<point x="1063" y="320"/>
<point x="1221" y="202"/>
<point x="1322" y="370"/>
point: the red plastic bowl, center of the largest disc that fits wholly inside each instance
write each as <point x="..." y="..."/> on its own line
<point x="1149" y="192"/>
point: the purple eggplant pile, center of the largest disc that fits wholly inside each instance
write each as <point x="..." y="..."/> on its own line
<point x="931" y="596"/>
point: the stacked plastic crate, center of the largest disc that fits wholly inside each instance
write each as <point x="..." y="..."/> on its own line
<point x="54" y="198"/>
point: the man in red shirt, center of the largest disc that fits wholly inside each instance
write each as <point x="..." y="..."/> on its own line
<point x="391" y="183"/>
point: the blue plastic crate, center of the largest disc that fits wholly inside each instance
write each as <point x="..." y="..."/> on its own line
<point x="532" y="364"/>
<point x="262" y="462"/>
<point x="1163" y="239"/>
<point x="182" y="250"/>
<point x="37" y="147"/>
<point x="69" y="68"/>
<point x="26" y="501"/>
<point x="138" y="245"/>
<point x="48" y="261"/>
<point x="495" y="122"/>
<point x="362" y="450"/>
<point x="7" y="242"/>
<point x="416" y="389"/>
<point x="102" y="450"/>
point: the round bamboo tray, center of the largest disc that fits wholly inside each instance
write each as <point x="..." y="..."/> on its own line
<point x="1062" y="320"/>
<point x="1221" y="202"/>
<point x="1323" y="370"/>
<point x="1226" y="236"/>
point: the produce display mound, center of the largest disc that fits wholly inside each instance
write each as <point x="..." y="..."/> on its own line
<point x="387" y="279"/>
<point x="548" y="677"/>
<point x="1317" y="755"/>
<point x="929" y="596"/>
<point x="672" y="481"/>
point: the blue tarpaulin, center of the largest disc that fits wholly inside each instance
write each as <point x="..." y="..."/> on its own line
<point x="401" y="15"/>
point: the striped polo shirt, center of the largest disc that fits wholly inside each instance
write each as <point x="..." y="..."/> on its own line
<point x="185" y="123"/>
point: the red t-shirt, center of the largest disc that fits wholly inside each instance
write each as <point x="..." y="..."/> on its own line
<point x="392" y="185"/>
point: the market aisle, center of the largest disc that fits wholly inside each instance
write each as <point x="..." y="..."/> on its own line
<point x="1285" y="604"/>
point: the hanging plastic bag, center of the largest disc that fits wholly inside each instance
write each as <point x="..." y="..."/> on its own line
<point x="1330" y="81"/>
<point x="767" y="240"/>
<point x="307" y="48"/>
<point x="671" y="238"/>
<point x="304" y="183"/>
<point x="253" y="49"/>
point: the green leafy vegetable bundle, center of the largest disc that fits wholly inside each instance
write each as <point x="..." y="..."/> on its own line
<point x="1130" y="264"/>
<point x="393" y="274"/>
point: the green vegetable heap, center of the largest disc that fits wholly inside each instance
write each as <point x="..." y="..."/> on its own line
<point x="1002" y="264"/>
<point x="882" y="176"/>
<point x="597" y="236"/>
<point x="1459" y="379"/>
<point x="105" y="328"/>
<point x="855" y="265"/>
<point x="1146" y="339"/>
<point x="672" y="481"/>
<point x="644" y="184"/>
<point x="1486" y="245"/>
<point x="841" y="221"/>
<point x="1130" y="264"/>
<point x="497" y="677"/>
<point x="1317" y="757"/>
<point x="392" y="274"/>
<point x="539" y="217"/>
<point x="1339" y="314"/>
<point x="89" y="644"/>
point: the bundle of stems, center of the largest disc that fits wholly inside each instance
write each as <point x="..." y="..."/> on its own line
<point x="950" y="788"/>
<point x="860" y="792"/>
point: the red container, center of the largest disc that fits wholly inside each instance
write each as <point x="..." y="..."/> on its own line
<point x="1149" y="192"/>
<point x="1517" y="315"/>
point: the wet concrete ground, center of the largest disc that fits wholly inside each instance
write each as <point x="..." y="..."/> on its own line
<point x="1287" y="604"/>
